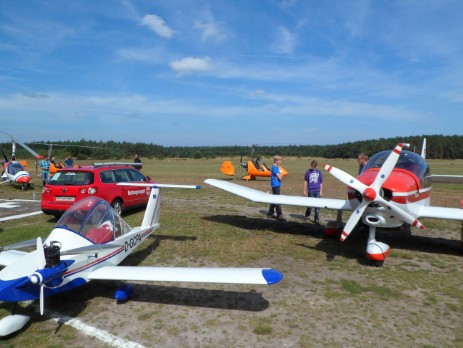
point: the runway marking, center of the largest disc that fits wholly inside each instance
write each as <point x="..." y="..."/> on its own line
<point x="101" y="335"/>
<point x="19" y="216"/>
<point x="88" y="330"/>
<point x="9" y="205"/>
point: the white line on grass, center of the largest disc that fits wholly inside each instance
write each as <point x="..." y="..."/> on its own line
<point x="88" y="330"/>
<point x="20" y="216"/>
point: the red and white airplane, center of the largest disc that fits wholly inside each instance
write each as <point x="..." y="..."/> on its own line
<point x="394" y="188"/>
<point x="14" y="171"/>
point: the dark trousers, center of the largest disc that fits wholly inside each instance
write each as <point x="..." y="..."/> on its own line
<point x="314" y="194"/>
<point x="277" y="207"/>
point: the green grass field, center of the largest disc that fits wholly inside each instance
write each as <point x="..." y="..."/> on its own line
<point x="329" y="297"/>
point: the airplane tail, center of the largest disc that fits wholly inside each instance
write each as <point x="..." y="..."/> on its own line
<point x="228" y="168"/>
<point x="153" y="207"/>
<point x="423" y="149"/>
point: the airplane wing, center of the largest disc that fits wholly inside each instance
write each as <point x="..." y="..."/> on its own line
<point x="439" y="213"/>
<point x="262" y="197"/>
<point x="450" y="179"/>
<point x="189" y="274"/>
<point x="10" y="256"/>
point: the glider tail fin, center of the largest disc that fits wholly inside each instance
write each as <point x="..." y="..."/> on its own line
<point x="423" y="149"/>
<point x="153" y="208"/>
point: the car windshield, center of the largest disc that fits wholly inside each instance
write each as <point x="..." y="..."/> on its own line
<point x="73" y="178"/>
<point x="408" y="160"/>
<point x="15" y="167"/>
<point x="94" y="219"/>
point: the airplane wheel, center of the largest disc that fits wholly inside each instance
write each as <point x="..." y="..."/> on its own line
<point x="118" y="206"/>
<point x="377" y="263"/>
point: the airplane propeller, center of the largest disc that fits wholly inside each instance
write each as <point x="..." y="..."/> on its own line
<point x="48" y="273"/>
<point x="37" y="278"/>
<point x="371" y="193"/>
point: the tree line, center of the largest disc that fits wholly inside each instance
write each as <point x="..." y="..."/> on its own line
<point x="438" y="147"/>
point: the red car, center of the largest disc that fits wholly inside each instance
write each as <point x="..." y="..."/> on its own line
<point x="70" y="185"/>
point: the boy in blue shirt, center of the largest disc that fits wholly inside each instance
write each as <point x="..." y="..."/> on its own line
<point x="275" y="181"/>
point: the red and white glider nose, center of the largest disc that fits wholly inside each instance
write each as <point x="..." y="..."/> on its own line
<point x="371" y="193"/>
<point x="23" y="179"/>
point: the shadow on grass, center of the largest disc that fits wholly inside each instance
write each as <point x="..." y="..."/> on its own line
<point x="269" y="224"/>
<point x="354" y="246"/>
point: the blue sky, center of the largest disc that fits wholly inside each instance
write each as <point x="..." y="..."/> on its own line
<point x="230" y="72"/>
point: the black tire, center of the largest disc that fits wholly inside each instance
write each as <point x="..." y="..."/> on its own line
<point x="118" y="206"/>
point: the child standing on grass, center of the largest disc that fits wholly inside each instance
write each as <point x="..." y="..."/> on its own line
<point x="313" y="187"/>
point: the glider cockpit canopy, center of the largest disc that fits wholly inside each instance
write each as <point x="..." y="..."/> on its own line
<point x="94" y="219"/>
<point x="408" y="160"/>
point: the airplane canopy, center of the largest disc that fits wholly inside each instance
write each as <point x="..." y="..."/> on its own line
<point x="15" y="167"/>
<point x="93" y="218"/>
<point x="408" y="160"/>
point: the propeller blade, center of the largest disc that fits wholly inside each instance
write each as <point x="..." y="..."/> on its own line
<point x="406" y="217"/>
<point x="41" y="262"/>
<point x="41" y="299"/>
<point x="346" y="178"/>
<point x="387" y="167"/>
<point x="353" y="220"/>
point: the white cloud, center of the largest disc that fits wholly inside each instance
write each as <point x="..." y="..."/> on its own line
<point x="140" y="55"/>
<point x="157" y="24"/>
<point x="190" y="65"/>
<point x="285" y="41"/>
<point x="211" y="30"/>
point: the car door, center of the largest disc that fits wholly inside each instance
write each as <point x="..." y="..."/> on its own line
<point x="130" y="194"/>
<point x="136" y="176"/>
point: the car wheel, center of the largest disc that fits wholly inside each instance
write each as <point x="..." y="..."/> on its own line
<point x="117" y="206"/>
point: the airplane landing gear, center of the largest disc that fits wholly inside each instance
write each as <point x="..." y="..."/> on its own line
<point x="376" y="251"/>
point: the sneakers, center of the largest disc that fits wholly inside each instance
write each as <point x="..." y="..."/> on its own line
<point x="276" y="217"/>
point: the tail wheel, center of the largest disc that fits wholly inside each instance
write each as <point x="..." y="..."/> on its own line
<point x="118" y="206"/>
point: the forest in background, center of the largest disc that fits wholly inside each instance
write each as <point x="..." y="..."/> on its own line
<point x="438" y="147"/>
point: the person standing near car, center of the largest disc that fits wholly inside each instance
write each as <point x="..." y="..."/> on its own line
<point x="45" y="165"/>
<point x="137" y="160"/>
<point x="313" y="185"/>
<point x="275" y="181"/>
<point x="68" y="162"/>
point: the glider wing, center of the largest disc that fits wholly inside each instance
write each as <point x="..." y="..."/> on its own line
<point x="10" y="256"/>
<point x="189" y="274"/>
<point x="262" y="197"/>
<point x="440" y="213"/>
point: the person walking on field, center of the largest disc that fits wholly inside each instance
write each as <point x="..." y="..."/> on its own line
<point x="313" y="187"/>
<point x="275" y="181"/>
